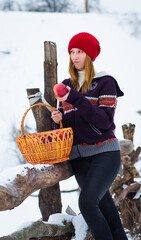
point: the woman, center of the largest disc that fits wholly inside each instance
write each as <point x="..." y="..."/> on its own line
<point x="89" y="108"/>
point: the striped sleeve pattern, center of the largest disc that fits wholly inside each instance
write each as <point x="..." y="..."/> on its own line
<point x="66" y="107"/>
<point x="107" y="101"/>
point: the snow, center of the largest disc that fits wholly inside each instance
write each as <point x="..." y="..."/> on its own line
<point x="23" y="215"/>
<point x="125" y="6"/>
<point x="78" y="222"/>
<point x="59" y="219"/>
<point x="138" y="194"/>
<point x="23" y="35"/>
<point x="9" y="174"/>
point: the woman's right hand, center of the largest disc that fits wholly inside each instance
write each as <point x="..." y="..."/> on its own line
<point x="56" y="116"/>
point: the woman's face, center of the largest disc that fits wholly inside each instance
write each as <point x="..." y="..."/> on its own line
<point x="78" y="58"/>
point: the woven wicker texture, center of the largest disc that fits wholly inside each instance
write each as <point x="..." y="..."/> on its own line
<point x="47" y="147"/>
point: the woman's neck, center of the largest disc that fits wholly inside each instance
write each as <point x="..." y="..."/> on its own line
<point x="81" y="78"/>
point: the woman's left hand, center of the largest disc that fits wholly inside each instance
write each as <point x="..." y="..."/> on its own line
<point x="64" y="98"/>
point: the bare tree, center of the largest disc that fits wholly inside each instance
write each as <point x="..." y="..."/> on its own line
<point x="9" y="5"/>
<point x="86" y="6"/>
<point x="48" y="5"/>
<point x="94" y="5"/>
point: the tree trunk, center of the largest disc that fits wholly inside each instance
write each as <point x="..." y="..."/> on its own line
<point x="50" y="203"/>
<point x="86" y="6"/>
<point x="49" y="199"/>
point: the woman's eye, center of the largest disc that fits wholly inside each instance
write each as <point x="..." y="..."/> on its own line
<point x="80" y="51"/>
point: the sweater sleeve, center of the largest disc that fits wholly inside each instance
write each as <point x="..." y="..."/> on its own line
<point x="101" y="115"/>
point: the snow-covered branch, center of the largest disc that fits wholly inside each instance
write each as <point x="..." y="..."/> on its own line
<point x="16" y="184"/>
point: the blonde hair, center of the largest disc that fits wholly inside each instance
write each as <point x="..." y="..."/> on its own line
<point x="89" y="74"/>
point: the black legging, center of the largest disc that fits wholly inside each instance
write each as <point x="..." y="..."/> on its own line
<point x="95" y="175"/>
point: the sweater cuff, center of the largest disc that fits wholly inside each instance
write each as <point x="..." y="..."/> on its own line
<point x="55" y="125"/>
<point x="73" y="96"/>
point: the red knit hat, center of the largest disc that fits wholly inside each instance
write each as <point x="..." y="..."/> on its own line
<point x="87" y="43"/>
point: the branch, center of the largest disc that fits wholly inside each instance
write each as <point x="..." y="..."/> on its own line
<point x="128" y="166"/>
<point x="135" y="156"/>
<point x="29" y="180"/>
<point x="132" y="188"/>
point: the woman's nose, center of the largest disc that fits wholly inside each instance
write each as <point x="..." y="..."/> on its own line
<point x="75" y="56"/>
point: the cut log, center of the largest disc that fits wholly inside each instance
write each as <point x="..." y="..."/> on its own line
<point x="128" y="167"/>
<point x="15" y="192"/>
<point x="128" y="131"/>
<point x="41" y="229"/>
<point x="44" y="231"/>
<point x="67" y="236"/>
<point x="126" y="147"/>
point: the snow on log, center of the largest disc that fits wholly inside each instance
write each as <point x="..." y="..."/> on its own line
<point x="40" y="229"/>
<point x="17" y="183"/>
<point x="59" y="226"/>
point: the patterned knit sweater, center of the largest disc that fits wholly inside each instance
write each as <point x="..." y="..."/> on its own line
<point x="91" y="116"/>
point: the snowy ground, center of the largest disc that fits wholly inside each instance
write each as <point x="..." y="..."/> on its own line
<point x="22" y="35"/>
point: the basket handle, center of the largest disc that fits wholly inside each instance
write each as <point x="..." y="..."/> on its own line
<point x="37" y="104"/>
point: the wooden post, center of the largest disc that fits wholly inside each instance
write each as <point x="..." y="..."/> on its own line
<point x="50" y="71"/>
<point x="49" y="198"/>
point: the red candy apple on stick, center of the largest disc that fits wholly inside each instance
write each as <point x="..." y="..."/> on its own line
<point x="60" y="90"/>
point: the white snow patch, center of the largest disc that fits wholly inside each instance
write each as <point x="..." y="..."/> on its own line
<point x="59" y="218"/>
<point x="78" y="222"/>
<point x="8" y="175"/>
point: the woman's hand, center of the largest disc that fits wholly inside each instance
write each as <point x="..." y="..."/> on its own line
<point x="56" y="116"/>
<point x="61" y="99"/>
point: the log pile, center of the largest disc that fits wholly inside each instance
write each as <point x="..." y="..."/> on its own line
<point x="125" y="187"/>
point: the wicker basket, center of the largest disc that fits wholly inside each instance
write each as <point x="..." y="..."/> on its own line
<point x="47" y="147"/>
